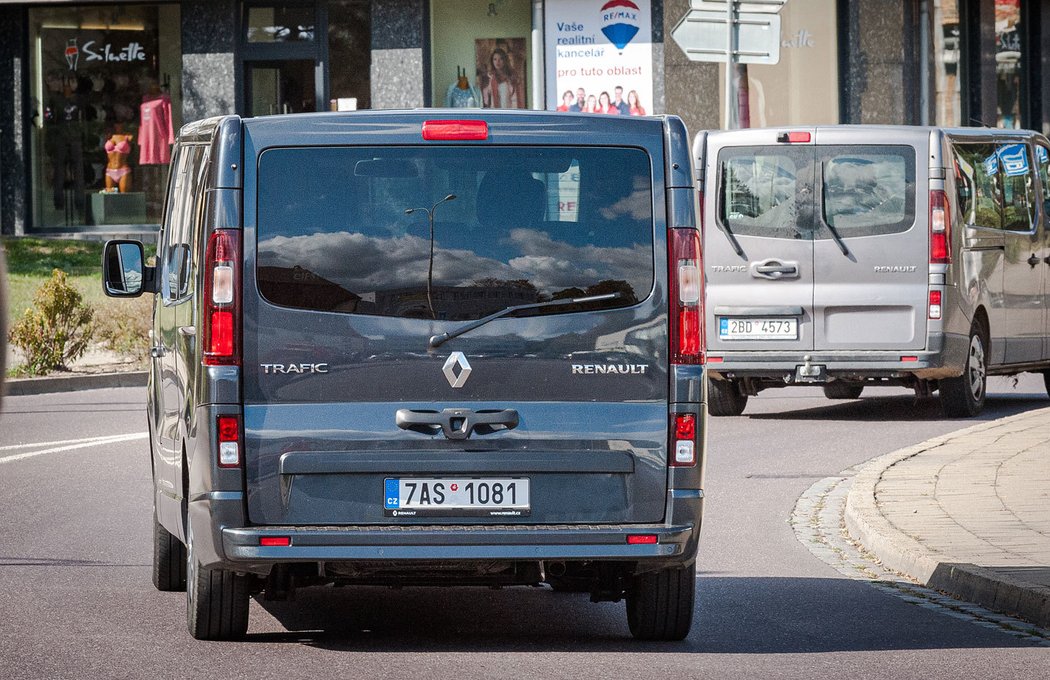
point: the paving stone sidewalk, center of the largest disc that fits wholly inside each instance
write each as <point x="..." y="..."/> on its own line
<point x="967" y="513"/>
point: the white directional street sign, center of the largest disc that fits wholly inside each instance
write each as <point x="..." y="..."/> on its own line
<point x="702" y="36"/>
<point x="753" y="6"/>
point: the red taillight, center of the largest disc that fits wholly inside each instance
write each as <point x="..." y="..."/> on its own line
<point x="642" y="539"/>
<point x="275" y="541"/>
<point x="455" y="130"/>
<point x="683" y="448"/>
<point x="940" y="228"/>
<point x="222" y="297"/>
<point x="229" y="432"/>
<point x="685" y="275"/>
<point x="794" y="137"/>
<point x="907" y="359"/>
<point x="935" y="304"/>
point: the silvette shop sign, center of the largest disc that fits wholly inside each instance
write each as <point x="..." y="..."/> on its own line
<point x="95" y="50"/>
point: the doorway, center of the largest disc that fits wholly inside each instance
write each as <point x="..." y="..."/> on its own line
<point x="280" y="87"/>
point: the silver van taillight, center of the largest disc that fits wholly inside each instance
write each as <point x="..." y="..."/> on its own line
<point x="686" y="283"/>
<point x="221" y="299"/>
<point x="940" y="228"/>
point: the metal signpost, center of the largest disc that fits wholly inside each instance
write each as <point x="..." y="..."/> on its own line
<point x="731" y="32"/>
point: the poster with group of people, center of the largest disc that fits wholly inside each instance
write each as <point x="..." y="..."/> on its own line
<point x="599" y="56"/>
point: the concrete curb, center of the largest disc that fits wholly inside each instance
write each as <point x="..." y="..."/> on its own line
<point x="900" y="552"/>
<point x="20" y="387"/>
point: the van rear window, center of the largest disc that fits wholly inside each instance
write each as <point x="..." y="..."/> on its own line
<point x="453" y="232"/>
<point x="868" y="190"/>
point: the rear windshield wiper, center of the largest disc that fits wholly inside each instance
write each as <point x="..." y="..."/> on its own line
<point x="720" y="209"/>
<point x="438" y="340"/>
<point x="824" y="215"/>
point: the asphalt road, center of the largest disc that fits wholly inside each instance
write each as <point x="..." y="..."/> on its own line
<point x="76" y="599"/>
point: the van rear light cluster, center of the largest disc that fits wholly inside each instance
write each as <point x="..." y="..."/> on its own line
<point x="683" y="449"/>
<point x="940" y="228"/>
<point x="935" y="304"/>
<point x="686" y="283"/>
<point x="229" y="429"/>
<point x="222" y="297"/>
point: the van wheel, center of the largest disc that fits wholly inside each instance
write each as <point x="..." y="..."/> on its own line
<point x="169" y="559"/>
<point x="1046" y="382"/>
<point x="660" y="603"/>
<point x="725" y="398"/>
<point x="843" y="390"/>
<point x="963" y="397"/>
<point x="216" y="599"/>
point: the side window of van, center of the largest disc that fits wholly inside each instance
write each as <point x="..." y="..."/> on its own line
<point x="186" y="207"/>
<point x="977" y="185"/>
<point x="1042" y="163"/>
<point x="868" y="190"/>
<point x="168" y="258"/>
<point x="1018" y="187"/>
<point x="758" y="192"/>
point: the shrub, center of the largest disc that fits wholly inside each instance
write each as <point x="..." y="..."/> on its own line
<point x="125" y="327"/>
<point x="56" y="329"/>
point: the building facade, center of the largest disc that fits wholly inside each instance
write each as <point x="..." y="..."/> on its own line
<point x="91" y="92"/>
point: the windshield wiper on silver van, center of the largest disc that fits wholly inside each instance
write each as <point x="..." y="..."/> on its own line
<point x="438" y="340"/>
<point x="720" y="200"/>
<point x="824" y="217"/>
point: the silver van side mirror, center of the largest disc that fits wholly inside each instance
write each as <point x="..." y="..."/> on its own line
<point x="124" y="272"/>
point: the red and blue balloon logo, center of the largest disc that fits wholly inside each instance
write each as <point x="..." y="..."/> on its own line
<point x="620" y="22"/>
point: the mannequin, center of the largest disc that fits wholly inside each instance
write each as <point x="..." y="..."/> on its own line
<point x="118" y="171"/>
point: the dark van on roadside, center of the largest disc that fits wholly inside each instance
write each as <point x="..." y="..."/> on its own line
<point x="426" y="348"/>
<point x="854" y="256"/>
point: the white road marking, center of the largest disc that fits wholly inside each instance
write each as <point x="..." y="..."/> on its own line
<point x="72" y="445"/>
<point x="33" y="445"/>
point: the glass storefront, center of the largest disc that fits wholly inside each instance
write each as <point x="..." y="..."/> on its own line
<point x="946" y="51"/>
<point x="105" y="83"/>
<point x="1008" y="62"/>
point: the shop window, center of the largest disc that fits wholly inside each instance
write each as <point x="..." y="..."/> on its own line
<point x="349" y="54"/>
<point x="105" y="83"/>
<point x="1008" y="62"/>
<point x="280" y="23"/>
<point x="480" y="55"/>
<point x="946" y="51"/>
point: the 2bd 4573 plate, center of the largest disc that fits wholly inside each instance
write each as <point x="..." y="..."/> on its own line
<point x="751" y="328"/>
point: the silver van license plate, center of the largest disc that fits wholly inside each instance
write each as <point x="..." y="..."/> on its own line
<point x="757" y="329"/>
<point x="460" y="497"/>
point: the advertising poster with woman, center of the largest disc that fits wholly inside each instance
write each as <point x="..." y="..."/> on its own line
<point x="500" y="72"/>
<point x="599" y="56"/>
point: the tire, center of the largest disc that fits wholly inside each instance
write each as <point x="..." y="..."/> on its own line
<point x="660" y="604"/>
<point x="843" y="390"/>
<point x="169" y="559"/>
<point x="216" y="599"/>
<point x="1046" y="382"/>
<point x="724" y="398"/>
<point x="963" y="397"/>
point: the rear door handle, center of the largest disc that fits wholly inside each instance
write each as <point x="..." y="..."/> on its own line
<point x="457" y="423"/>
<point x="774" y="269"/>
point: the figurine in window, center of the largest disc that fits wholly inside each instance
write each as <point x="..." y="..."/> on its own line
<point x="118" y="171"/>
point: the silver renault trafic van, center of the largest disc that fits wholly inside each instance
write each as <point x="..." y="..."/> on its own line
<point x="402" y="348"/>
<point x="848" y="256"/>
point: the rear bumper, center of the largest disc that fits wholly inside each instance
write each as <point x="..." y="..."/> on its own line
<point x="945" y="359"/>
<point x="221" y="539"/>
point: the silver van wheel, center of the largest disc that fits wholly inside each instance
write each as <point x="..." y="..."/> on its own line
<point x="963" y="397"/>
<point x="216" y="599"/>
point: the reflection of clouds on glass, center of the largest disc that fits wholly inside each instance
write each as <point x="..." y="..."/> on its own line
<point x="637" y="205"/>
<point x="362" y="263"/>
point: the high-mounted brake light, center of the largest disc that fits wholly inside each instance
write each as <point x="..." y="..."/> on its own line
<point x="683" y="449"/>
<point x="685" y="275"/>
<point x="455" y="130"/>
<point x="229" y="429"/>
<point x="794" y="137"/>
<point x="222" y="299"/>
<point x="940" y="228"/>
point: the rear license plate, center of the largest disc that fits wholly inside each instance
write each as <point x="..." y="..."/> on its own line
<point x="757" y="329"/>
<point x="456" y="497"/>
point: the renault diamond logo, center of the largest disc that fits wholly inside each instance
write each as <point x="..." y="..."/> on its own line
<point x="456" y="359"/>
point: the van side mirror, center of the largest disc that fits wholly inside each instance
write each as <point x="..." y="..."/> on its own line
<point x="124" y="272"/>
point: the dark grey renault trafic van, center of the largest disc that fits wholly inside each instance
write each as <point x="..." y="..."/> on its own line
<point x="411" y="348"/>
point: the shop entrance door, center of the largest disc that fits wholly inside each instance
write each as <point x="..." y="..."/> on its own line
<point x="280" y="87"/>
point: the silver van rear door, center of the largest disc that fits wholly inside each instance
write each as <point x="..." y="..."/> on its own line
<point x="871" y="243"/>
<point x="758" y="253"/>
